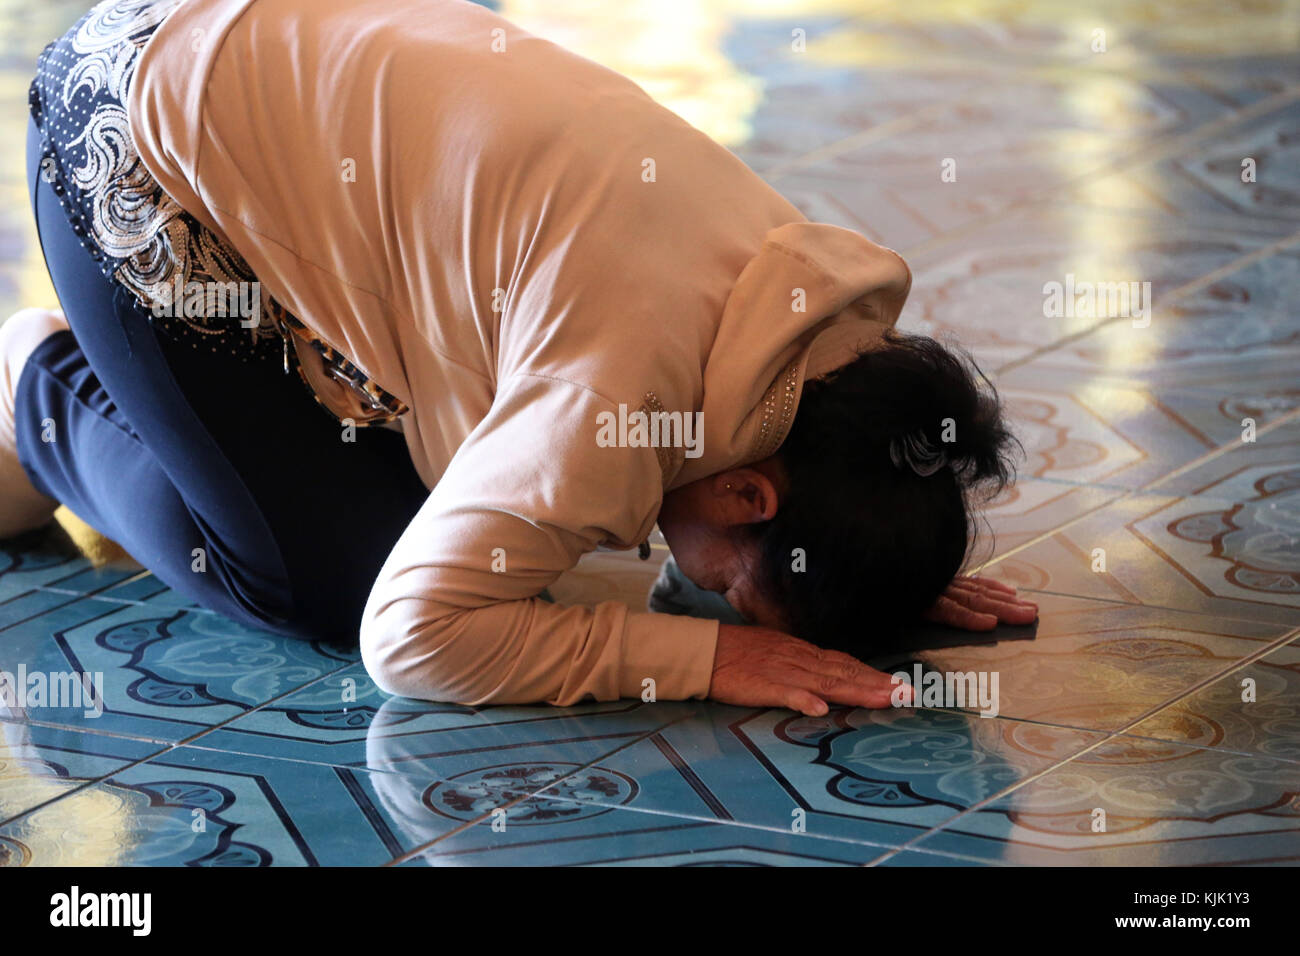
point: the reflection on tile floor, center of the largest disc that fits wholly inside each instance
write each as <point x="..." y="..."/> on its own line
<point x="1153" y="716"/>
<point x="1230" y="557"/>
<point x="1136" y="801"/>
<point x="1101" y="665"/>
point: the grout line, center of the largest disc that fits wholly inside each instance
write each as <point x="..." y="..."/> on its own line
<point x="81" y="729"/>
<point x="1117" y="602"/>
<point x="1232" y="668"/>
<point x="75" y="596"/>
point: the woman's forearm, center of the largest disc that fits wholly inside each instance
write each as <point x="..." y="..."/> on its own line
<point x="531" y="651"/>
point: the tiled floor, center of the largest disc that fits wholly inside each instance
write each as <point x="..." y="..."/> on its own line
<point x="1161" y="689"/>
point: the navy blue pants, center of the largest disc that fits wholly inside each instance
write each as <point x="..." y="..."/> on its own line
<point x="225" y="479"/>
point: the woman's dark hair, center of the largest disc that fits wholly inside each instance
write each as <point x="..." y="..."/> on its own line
<point x="882" y="532"/>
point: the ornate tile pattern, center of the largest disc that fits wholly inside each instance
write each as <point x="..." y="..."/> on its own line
<point x="866" y="776"/>
<point x="1253" y="710"/>
<point x="1235" y="556"/>
<point x="167" y="674"/>
<point x="985" y="286"/>
<point x="1163" y="804"/>
<point x="1101" y="665"/>
<point x="191" y="807"/>
<point x="1206" y="184"/>
<point x="1150" y="717"/>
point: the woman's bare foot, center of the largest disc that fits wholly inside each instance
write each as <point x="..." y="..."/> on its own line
<point x="22" y="507"/>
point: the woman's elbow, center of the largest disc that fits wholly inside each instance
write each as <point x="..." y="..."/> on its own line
<point x="407" y="659"/>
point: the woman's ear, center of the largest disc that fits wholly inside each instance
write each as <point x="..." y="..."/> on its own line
<point x="748" y="495"/>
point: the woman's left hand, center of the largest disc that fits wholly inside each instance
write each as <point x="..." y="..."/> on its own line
<point x="981" y="604"/>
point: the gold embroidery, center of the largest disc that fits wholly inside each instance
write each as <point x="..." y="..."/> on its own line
<point x="778" y="411"/>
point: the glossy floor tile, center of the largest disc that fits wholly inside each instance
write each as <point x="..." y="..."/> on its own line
<point x="41" y="765"/>
<point x="1234" y="556"/>
<point x="1102" y="665"/>
<point x="162" y="674"/>
<point x="1205" y="184"/>
<point x="345" y="720"/>
<point x="1254" y="709"/>
<point x="989" y="285"/>
<point x="1132" y="801"/>
<point x="1149" y="717"/>
<point x="1224" y="328"/>
<point x="576" y="835"/>
<point x="190" y="807"/>
<point x="1096" y="433"/>
<point x="867" y="776"/>
<point x="1024" y="512"/>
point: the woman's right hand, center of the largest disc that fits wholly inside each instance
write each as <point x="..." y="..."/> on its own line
<point x="760" y="667"/>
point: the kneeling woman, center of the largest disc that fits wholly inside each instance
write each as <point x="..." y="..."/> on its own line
<point x="471" y="248"/>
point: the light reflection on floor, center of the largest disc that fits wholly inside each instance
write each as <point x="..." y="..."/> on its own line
<point x="1107" y="166"/>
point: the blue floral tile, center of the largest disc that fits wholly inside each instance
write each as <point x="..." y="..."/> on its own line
<point x="191" y="807"/>
<point x="89" y="581"/>
<point x="1160" y="689"/>
<point x="160" y="674"/>
<point x="43" y="764"/>
<point x="1134" y="802"/>
<point x="878" y="777"/>
<point x="522" y="737"/>
<point x="344" y="719"/>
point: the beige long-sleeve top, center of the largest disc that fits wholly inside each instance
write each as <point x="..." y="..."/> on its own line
<point x="511" y="240"/>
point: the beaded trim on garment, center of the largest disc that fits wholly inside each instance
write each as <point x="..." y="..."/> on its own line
<point x="778" y="412"/>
